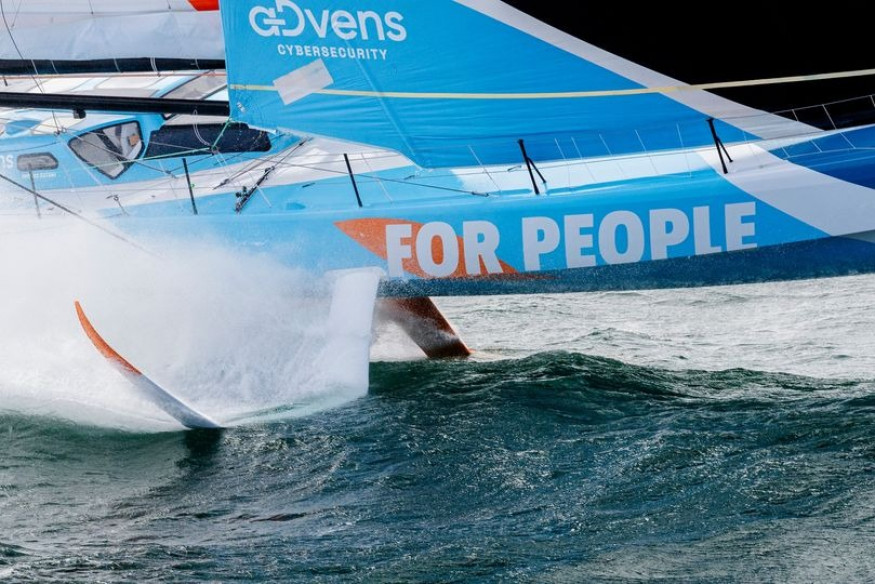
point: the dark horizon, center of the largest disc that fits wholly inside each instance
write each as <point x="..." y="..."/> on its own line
<point x="729" y="44"/>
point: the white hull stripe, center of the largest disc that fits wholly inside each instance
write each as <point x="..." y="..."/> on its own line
<point x="831" y="205"/>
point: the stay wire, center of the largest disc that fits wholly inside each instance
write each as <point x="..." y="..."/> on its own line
<point x="77" y="215"/>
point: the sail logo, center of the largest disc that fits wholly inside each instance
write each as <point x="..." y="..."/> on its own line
<point x="287" y="19"/>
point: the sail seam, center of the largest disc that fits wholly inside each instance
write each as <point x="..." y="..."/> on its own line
<point x="579" y="94"/>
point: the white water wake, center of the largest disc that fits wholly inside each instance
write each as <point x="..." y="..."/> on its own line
<point x="230" y="333"/>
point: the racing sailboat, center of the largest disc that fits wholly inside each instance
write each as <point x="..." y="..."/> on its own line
<point x="523" y="160"/>
<point x="466" y="147"/>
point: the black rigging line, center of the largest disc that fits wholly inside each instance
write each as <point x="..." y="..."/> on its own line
<point x="246" y="193"/>
<point x="75" y="214"/>
<point x="376" y="178"/>
<point x="115" y="103"/>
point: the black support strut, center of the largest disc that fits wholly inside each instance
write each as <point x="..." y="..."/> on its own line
<point x="355" y="187"/>
<point x="530" y="164"/>
<point x="190" y="186"/>
<point x="721" y="149"/>
<point x="112" y="103"/>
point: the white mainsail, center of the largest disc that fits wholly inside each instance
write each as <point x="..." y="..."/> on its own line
<point x="70" y="34"/>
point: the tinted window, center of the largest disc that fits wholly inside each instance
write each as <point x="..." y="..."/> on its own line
<point x="110" y="150"/>
<point x="185" y="139"/>
<point x="36" y="162"/>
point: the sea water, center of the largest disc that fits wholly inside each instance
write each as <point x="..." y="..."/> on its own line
<point x="706" y="435"/>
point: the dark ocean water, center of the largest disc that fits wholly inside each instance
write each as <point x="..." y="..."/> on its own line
<point x="556" y="467"/>
<point x="709" y="435"/>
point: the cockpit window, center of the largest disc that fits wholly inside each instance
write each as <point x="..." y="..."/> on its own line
<point x="189" y="139"/>
<point x="110" y="150"/>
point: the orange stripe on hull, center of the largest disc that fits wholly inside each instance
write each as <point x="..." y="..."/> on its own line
<point x="205" y="5"/>
<point x="371" y="234"/>
<point x="102" y="345"/>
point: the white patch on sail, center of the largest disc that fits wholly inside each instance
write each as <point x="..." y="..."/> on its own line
<point x="303" y="82"/>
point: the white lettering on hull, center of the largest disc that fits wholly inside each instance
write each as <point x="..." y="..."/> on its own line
<point x="619" y="237"/>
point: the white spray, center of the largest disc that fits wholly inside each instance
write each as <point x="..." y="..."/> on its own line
<point x="228" y="332"/>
